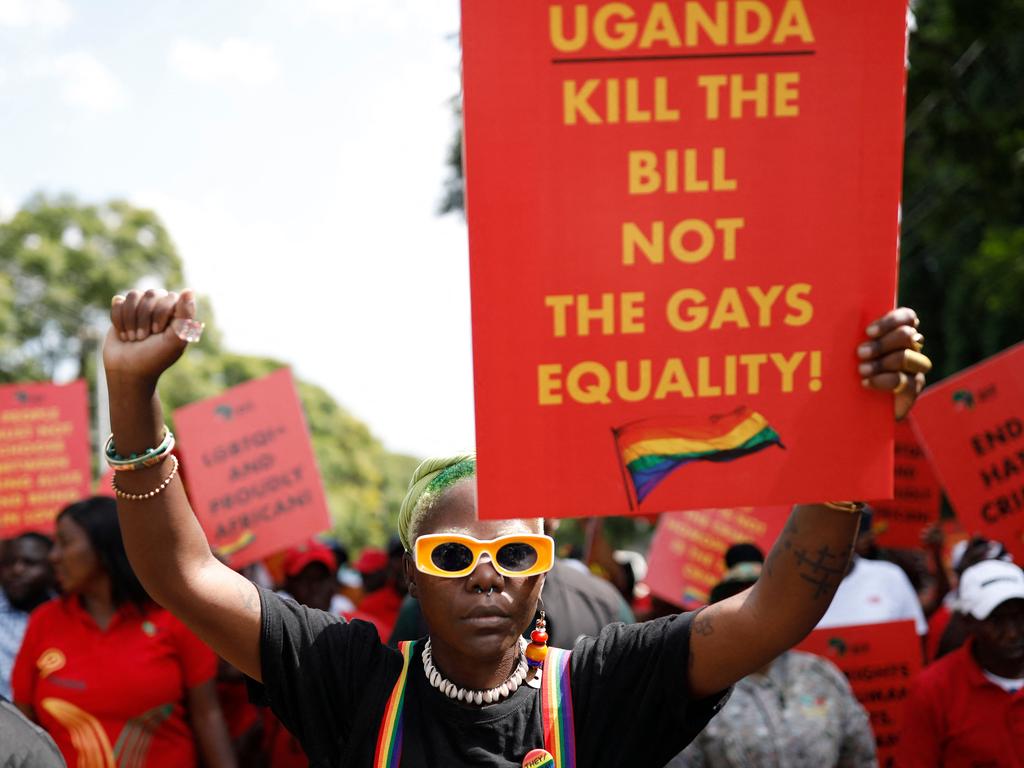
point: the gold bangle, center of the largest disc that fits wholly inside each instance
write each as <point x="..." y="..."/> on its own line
<point x="150" y="494"/>
<point x="845" y="506"/>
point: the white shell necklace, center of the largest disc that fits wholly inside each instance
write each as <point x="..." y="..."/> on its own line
<point x="452" y="691"/>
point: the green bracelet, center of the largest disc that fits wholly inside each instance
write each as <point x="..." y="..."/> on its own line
<point x="136" y="461"/>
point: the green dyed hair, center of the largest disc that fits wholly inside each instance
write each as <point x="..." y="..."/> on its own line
<point x="431" y="479"/>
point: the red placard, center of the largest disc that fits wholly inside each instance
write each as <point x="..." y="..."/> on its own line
<point x="44" y="453"/>
<point x="686" y="558"/>
<point x="250" y="470"/>
<point x="682" y="217"/>
<point x="880" y="661"/>
<point x="898" y="522"/>
<point x="972" y="427"/>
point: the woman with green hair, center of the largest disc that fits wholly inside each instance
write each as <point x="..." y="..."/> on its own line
<point x="473" y="692"/>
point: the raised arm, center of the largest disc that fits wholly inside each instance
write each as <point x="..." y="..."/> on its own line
<point x="165" y="543"/>
<point x="740" y="635"/>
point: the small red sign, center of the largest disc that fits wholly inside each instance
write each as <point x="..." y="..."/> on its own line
<point x="687" y="554"/>
<point x="251" y="474"/>
<point x="898" y="522"/>
<point x="880" y="661"/>
<point x="44" y="453"/>
<point x="972" y="427"/>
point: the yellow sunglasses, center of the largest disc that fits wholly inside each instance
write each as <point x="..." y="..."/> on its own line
<point x="452" y="556"/>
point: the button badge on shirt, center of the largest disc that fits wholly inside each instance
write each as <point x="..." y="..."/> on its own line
<point x="538" y="758"/>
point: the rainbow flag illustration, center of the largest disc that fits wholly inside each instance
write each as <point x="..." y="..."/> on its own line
<point x="651" y="449"/>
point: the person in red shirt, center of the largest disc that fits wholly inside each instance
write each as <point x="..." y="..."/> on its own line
<point x="967" y="709"/>
<point x="310" y="574"/>
<point x="114" y="678"/>
<point x="382" y="596"/>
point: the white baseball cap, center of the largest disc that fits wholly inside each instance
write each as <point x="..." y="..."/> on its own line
<point x="987" y="585"/>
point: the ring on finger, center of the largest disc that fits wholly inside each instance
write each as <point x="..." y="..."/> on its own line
<point x="917" y="343"/>
<point x="915" y="362"/>
<point x="904" y="381"/>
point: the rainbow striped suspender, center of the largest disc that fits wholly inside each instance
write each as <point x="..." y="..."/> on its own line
<point x="556" y="712"/>
<point x="389" y="739"/>
<point x="556" y="709"/>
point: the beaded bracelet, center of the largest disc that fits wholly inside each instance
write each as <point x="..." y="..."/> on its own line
<point x="845" y="506"/>
<point x="148" y="458"/>
<point x="149" y="494"/>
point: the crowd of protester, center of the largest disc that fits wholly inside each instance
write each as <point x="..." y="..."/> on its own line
<point x="101" y="674"/>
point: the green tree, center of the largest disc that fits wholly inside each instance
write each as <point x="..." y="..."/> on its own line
<point x="453" y="194"/>
<point x="61" y="261"/>
<point x="962" y="255"/>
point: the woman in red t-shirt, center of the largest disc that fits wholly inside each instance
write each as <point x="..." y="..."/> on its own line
<point x="115" y="679"/>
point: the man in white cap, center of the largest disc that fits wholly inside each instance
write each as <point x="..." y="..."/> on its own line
<point x="967" y="709"/>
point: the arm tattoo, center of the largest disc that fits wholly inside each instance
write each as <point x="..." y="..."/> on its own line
<point x="249" y="598"/>
<point x="823" y="570"/>
<point x="702" y="624"/>
<point x="785" y="542"/>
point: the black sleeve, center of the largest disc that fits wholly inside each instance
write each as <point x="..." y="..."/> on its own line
<point x="323" y="677"/>
<point x="631" y="702"/>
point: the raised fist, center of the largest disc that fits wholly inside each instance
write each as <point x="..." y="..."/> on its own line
<point x="149" y="331"/>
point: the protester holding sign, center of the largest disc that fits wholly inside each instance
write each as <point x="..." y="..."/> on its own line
<point x="797" y="711"/>
<point x="112" y="677"/>
<point x="467" y="694"/>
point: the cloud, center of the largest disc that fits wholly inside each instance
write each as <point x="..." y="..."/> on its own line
<point x="87" y="82"/>
<point x="233" y="61"/>
<point x="379" y="15"/>
<point x="30" y="13"/>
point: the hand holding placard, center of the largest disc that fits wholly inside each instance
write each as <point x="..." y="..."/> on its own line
<point x="892" y="359"/>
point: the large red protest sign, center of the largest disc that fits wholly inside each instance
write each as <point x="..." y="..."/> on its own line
<point x="898" y="522"/>
<point x="250" y="470"/>
<point x="687" y="554"/>
<point x="682" y="217"/>
<point x="44" y="453"/>
<point x="880" y="661"/>
<point x="972" y="426"/>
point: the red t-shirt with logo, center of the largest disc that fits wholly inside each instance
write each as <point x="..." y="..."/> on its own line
<point x="114" y="696"/>
<point x="957" y="718"/>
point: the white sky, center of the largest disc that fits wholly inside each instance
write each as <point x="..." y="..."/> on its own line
<point x="295" y="150"/>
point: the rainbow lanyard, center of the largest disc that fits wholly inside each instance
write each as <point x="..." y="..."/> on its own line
<point x="556" y="712"/>
<point x="556" y="709"/>
<point x="389" y="740"/>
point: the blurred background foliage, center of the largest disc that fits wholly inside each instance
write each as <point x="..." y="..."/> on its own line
<point x="962" y="252"/>
<point x="61" y="261"/>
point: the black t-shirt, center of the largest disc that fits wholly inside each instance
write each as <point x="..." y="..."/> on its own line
<point x="328" y="681"/>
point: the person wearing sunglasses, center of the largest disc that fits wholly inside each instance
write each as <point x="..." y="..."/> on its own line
<point x="473" y="692"/>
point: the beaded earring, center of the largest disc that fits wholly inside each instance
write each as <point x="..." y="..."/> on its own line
<point x="537" y="651"/>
